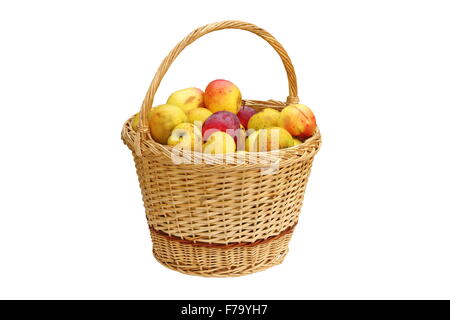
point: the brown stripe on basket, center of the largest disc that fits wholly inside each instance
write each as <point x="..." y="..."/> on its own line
<point x="224" y="246"/>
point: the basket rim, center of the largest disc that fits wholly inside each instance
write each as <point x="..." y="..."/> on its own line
<point x="149" y="147"/>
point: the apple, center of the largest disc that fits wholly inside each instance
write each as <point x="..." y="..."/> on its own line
<point x="297" y="142"/>
<point x="198" y="116"/>
<point x="219" y="142"/>
<point x="222" y="95"/>
<point x="163" y="120"/>
<point x="266" y="118"/>
<point x="251" y="143"/>
<point x="245" y="114"/>
<point x="299" y="120"/>
<point x="239" y="138"/>
<point x="187" y="99"/>
<point x="186" y="136"/>
<point x="224" y="121"/>
<point x="308" y="112"/>
<point x="135" y="121"/>
<point x="268" y="140"/>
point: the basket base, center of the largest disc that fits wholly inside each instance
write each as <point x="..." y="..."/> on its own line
<point x="219" y="262"/>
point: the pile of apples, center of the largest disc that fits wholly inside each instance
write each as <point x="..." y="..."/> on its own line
<point x="215" y="122"/>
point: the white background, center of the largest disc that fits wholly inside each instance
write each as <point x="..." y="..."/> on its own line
<point x="376" y="216"/>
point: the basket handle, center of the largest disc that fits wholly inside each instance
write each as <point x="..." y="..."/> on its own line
<point x="199" y="32"/>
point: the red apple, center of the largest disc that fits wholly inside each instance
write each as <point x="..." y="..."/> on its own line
<point x="224" y="121"/>
<point x="245" y="114"/>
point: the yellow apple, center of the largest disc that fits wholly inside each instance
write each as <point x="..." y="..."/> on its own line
<point x="269" y="139"/>
<point x="186" y="136"/>
<point x="267" y="118"/>
<point x="241" y="135"/>
<point x="251" y="143"/>
<point x="135" y="122"/>
<point x="198" y="115"/>
<point x="163" y="120"/>
<point x="187" y="99"/>
<point x="219" y="142"/>
<point x="296" y="142"/>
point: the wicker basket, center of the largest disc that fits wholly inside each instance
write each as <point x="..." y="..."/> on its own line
<point x="211" y="218"/>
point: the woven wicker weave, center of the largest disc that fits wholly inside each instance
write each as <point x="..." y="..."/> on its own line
<point x="212" y="218"/>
